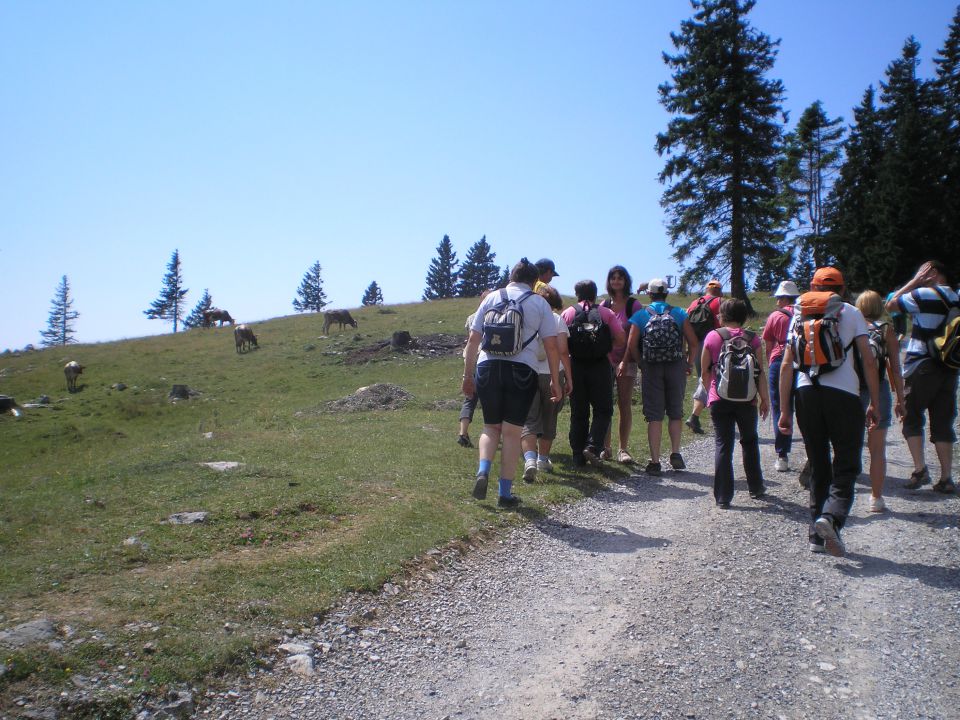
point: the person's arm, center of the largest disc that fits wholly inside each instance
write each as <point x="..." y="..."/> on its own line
<point x="616" y="329"/>
<point x="762" y="388"/>
<point x="565" y="361"/>
<point x="925" y="276"/>
<point x="633" y="345"/>
<point x="872" y="376"/>
<point x="706" y="367"/>
<point x="470" y="354"/>
<point x="552" y="348"/>
<point x="893" y="371"/>
<point x="785" y="423"/>
<point x="693" y="345"/>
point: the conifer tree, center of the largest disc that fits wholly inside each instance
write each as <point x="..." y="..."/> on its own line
<point x="60" y="322"/>
<point x="195" y="318"/>
<point x="169" y="306"/>
<point x="504" y="278"/>
<point x="310" y="294"/>
<point x="372" y="295"/>
<point x="479" y="271"/>
<point x="442" y="274"/>
<point x="722" y="146"/>
<point x="947" y="101"/>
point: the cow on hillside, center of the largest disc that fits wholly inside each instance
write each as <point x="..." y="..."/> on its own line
<point x="244" y="338"/>
<point x="214" y="315"/>
<point x="337" y="316"/>
<point x="71" y="370"/>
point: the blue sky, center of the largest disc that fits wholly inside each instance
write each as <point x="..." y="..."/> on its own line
<point x="258" y="138"/>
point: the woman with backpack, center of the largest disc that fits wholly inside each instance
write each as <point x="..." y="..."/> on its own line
<point x="886" y="353"/>
<point x="734" y="376"/>
<point x="623" y="305"/>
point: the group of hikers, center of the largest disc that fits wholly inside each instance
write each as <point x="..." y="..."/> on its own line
<point x="834" y="365"/>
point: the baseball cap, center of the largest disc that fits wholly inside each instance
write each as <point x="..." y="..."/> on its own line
<point x="544" y="264"/>
<point x="788" y="288"/>
<point x="715" y="284"/>
<point x="828" y="276"/>
<point x="656" y="285"/>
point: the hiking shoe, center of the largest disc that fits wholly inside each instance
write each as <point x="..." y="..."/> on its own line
<point x="508" y="501"/>
<point x="624" y="458"/>
<point x="590" y="455"/>
<point x="676" y="461"/>
<point x="918" y="479"/>
<point x="945" y="486"/>
<point x="758" y="495"/>
<point x="464" y="441"/>
<point x="877" y="504"/>
<point x="653" y="468"/>
<point x="606" y="454"/>
<point x="817" y="547"/>
<point x="693" y="422"/>
<point x="480" y="486"/>
<point x="529" y="470"/>
<point x="831" y="536"/>
<point x="723" y="505"/>
<point x="545" y="465"/>
<point x="782" y="464"/>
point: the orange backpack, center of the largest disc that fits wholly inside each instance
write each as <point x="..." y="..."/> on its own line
<point x="815" y="334"/>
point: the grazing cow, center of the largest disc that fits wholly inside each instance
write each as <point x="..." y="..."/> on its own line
<point x="337" y="316"/>
<point x="216" y="314"/>
<point x="71" y="370"/>
<point x="244" y="337"/>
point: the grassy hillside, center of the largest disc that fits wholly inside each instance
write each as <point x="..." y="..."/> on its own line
<point x="323" y="502"/>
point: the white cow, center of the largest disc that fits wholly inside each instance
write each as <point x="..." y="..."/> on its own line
<point x="71" y="370"/>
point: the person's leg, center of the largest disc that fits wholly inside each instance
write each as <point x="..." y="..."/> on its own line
<point x="917" y="395"/>
<point x="781" y="442"/>
<point x="943" y="414"/>
<point x="816" y="441"/>
<point x="877" y="447"/>
<point x="601" y="400"/>
<point x="675" y="385"/>
<point x="509" y="451"/>
<point x="844" y="417"/>
<point x="675" y="430"/>
<point x="747" y="419"/>
<point x="653" y="393"/>
<point x="625" y="409"/>
<point x="579" y="412"/>
<point x="723" y="432"/>
<point x="654" y="433"/>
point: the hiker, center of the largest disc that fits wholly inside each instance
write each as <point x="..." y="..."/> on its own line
<point x="828" y="409"/>
<point x="547" y="270"/>
<point x="623" y="305"/>
<point x="930" y="386"/>
<point x="774" y="340"/>
<point x="667" y="357"/>
<point x="734" y="376"/>
<point x="501" y="367"/>
<point x="704" y="316"/>
<point x="595" y="334"/>
<point x="540" y="429"/>
<point x="885" y="354"/>
<point x="469" y="403"/>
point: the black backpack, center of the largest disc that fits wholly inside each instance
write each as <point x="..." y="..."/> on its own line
<point x="701" y="318"/>
<point x="590" y="337"/>
<point x="877" y="340"/>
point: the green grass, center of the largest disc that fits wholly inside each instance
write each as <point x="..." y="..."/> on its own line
<point x="323" y="504"/>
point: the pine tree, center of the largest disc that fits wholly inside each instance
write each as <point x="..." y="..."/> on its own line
<point x="195" y="318"/>
<point x="478" y="272"/>
<point x="60" y="322"/>
<point x="722" y="146"/>
<point x="812" y="160"/>
<point x="947" y="101"/>
<point x="504" y="279"/>
<point x="372" y="295"/>
<point x="310" y="294"/>
<point x="442" y="275"/>
<point x="169" y="306"/>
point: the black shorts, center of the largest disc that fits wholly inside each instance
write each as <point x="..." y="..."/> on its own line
<point x="930" y="388"/>
<point x="506" y="389"/>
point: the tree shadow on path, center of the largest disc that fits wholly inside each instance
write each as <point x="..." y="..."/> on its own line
<point x="943" y="578"/>
<point x="617" y="540"/>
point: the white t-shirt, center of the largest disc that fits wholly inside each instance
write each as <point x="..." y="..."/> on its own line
<point x="543" y="367"/>
<point x="537" y="318"/>
<point x="852" y="325"/>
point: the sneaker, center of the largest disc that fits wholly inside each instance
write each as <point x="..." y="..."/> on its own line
<point x="624" y="458"/>
<point x="464" y="441"/>
<point x="782" y="464"/>
<point x="529" y="470"/>
<point x="480" y="486"/>
<point x="723" y="505"/>
<point x="676" y="461"/>
<point x="817" y="547"/>
<point x="606" y="454"/>
<point x="693" y="422"/>
<point x="545" y="465"/>
<point x="918" y="479"/>
<point x="508" y="501"/>
<point x="653" y="468"/>
<point x="877" y="504"/>
<point x="945" y="486"/>
<point x="831" y="536"/>
<point x="758" y="495"/>
<point x="590" y="455"/>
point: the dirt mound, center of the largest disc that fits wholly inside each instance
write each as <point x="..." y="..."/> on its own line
<point x="381" y="396"/>
<point x="435" y="345"/>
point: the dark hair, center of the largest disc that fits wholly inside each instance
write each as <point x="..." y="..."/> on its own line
<point x="943" y="270"/>
<point x="586" y="290"/>
<point x="627" y="280"/>
<point x="733" y="310"/>
<point x="551" y="295"/>
<point x="524" y="272"/>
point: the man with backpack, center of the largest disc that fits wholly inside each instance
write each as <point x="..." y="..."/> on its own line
<point x="930" y="377"/>
<point x="774" y="341"/>
<point x="822" y="335"/>
<point x="704" y="316"/>
<point x="595" y="332"/>
<point x="663" y="343"/>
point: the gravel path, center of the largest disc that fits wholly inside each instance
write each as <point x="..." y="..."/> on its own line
<point x="645" y="601"/>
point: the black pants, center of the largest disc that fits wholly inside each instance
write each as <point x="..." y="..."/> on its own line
<point x="728" y="416"/>
<point x="592" y="389"/>
<point x="831" y="419"/>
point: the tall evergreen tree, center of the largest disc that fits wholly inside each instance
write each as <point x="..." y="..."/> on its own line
<point x="442" y="274"/>
<point x="60" y="322"/>
<point x="310" y="294"/>
<point x="811" y="161"/>
<point x="372" y="295"/>
<point x="169" y="306"/>
<point x="479" y="271"/>
<point x="504" y="278"/>
<point x="195" y="318"/>
<point x="722" y="145"/>
<point x="947" y="102"/>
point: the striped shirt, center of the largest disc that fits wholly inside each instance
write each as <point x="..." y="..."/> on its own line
<point x="927" y="311"/>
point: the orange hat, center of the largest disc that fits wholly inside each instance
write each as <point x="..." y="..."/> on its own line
<point x="828" y="276"/>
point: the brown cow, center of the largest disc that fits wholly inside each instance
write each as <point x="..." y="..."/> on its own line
<point x="71" y="370"/>
<point x="216" y="314"/>
<point x="244" y="338"/>
<point x="337" y="316"/>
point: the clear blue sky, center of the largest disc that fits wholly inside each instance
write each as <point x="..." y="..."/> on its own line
<point x="259" y="137"/>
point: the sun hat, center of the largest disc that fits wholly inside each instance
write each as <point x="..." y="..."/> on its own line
<point x="788" y="288"/>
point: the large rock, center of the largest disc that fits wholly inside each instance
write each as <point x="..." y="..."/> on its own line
<point x="29" y="633"/>
<point x="188" y="518"/>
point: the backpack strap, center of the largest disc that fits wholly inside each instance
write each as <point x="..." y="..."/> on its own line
<point x="724" y="333"/>
<point x="631" y="304"/>
<point x="785" y="312"/>
<point x="608" y="303"/>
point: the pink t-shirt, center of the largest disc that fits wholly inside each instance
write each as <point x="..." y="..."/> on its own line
<point x="610" y="318"/>
<point x="775" y="331"/>
<point x="712" y="343"/>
